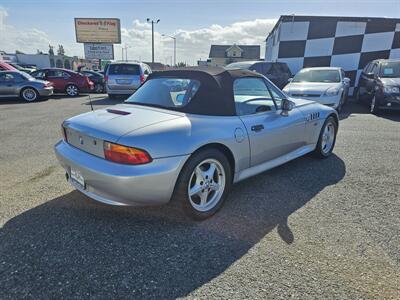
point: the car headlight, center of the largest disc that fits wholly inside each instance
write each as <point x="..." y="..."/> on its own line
<point x="391" y="89"/>
<point x="333" y="91"/>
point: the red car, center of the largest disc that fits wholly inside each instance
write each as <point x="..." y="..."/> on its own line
<point x="65" y="81"/>
<point x="6" y="67"/>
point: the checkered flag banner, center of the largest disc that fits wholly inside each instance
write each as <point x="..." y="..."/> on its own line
<point x="346" y="42"/>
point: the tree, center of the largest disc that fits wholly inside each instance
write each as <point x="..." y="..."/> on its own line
<point x="60" y="50"/>
<point x="51" y="50"/>
<point x="181" y="64"/>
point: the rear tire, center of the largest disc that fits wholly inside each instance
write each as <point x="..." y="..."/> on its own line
<point x="29" y="94"/>
<point x="72" y="90"/>
<point x="203" y="184"/>
<point x="98" y="88"/>
<point x="327" y="138"/>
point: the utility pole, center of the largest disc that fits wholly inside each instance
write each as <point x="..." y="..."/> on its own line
<point x="174" y="38"/>
<point x="152" y="36"/>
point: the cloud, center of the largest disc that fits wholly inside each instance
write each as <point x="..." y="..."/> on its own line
<point x="191" y="44"/>
<point x="24" y="40"/>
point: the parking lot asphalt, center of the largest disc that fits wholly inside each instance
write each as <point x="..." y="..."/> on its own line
<point x="311" y="229"/>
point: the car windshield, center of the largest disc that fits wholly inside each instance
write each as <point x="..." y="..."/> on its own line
<point x="124" y="69"/>
<point x="165" y="92"/>
<point x="390" y="69"/>
<point x="317" y="76"/>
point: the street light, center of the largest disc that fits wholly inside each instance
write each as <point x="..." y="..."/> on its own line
<point x="152" y="37"/>
<point x="174" y="38"/>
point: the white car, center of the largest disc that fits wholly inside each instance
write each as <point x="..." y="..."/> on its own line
<point x="326" y="85"/>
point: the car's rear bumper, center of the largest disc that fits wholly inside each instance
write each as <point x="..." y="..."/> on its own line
<point x="119" y="184"/>
<point x="120" y="92"/>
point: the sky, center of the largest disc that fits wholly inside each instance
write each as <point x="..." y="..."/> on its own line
<point x="28" y="25"/>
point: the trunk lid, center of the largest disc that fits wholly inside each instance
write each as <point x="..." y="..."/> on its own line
<point x="88" y="131"/>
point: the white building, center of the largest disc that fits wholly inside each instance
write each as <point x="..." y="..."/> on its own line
<point x="347" y="42"/>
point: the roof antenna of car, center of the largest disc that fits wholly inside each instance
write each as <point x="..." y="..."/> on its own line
<point x="90" y="101"/>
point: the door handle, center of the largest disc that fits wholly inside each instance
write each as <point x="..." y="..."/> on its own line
<point x="257" y="128"/>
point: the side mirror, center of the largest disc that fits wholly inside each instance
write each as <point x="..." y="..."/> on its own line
<point x="370" y="75"/>
<point x="290" y="80"/>
<point x="287" y="105"/>
<point x="346" y="81"/>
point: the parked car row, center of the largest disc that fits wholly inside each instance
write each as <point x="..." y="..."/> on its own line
<point x="378" y="85"/>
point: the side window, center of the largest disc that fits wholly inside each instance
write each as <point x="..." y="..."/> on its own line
<point x="252" y="96"/>
<point x="367" y="68"/>
<point x="39" y="74"/>
<point x="374" y="69"/>
<point x="7" y="77"/>
<point x="276" y="94"/>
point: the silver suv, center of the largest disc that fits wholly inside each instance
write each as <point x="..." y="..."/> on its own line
<point x="123" y="78"/>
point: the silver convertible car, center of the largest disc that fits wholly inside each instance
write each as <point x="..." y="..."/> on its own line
<point x="187" y="135"/>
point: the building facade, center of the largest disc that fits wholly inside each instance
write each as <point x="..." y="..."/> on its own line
<point x="347" y="42"/>
<point x="222" y="55"/>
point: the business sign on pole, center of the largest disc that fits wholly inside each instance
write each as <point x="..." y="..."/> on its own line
<point x="98" y="30"/>
<point x="99" y="51"/>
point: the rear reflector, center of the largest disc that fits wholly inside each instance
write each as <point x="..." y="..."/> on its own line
<point x="125" y="155"/>
<point x="118" y="112"/>
<point x="64" y="133"/>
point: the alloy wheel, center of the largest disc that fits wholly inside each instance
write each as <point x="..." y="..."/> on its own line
<point x="29" y="95"/>
<point x="328" y="138"/>
<point x="72" y="90"/>
<point x="206" y="185"/>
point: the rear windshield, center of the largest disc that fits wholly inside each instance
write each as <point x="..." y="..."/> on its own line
<point x="165" y="92"/>
<point x="239" y="65"/>
<point x="317" y="76"/>
<point x="123" y="69"/>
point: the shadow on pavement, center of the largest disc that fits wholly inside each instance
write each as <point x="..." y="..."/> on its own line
<point x="73" y="247"/>
<point x="355" y="107"/>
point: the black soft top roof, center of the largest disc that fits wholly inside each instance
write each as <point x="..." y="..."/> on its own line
<point x="215" y="94"/>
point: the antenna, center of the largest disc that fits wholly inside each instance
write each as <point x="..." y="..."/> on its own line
<point x="90" y="101"/>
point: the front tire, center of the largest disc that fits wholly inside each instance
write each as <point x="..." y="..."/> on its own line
<point x="203" y="184"/>
<point x="72" y="90"/>
<point x="374" y="106"/>
<point x="29" y="94"/>
<point x="327" y="138"/>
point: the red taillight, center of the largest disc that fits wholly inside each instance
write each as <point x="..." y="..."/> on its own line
<point x="64" y="133"/>
<point x="105" y="78"/>
<point x="142" y="78"/>
<point x="125" y="155"/>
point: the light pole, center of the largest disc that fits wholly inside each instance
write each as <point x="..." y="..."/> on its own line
<point x="174" y="38"/>
<point x="152" y="37"/>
